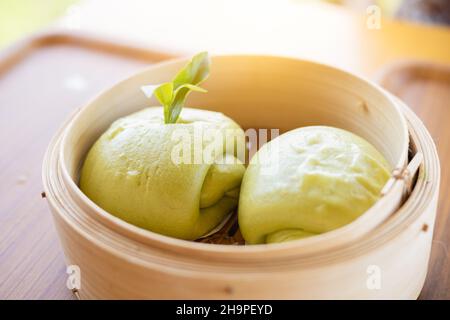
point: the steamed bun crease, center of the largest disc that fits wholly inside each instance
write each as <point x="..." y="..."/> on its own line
<point x="156" y="170"/>
<point x="322" y="179"/>
<point x="133" y="172"/>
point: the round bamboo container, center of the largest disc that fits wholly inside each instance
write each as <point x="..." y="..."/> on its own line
<point x="382" y="254"/>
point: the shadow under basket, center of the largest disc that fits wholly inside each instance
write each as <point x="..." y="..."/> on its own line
<point x="382" y="254"/>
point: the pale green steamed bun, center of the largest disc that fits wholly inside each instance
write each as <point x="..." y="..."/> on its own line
<point x="129" y="172"/>
<point x="321" y="179"/>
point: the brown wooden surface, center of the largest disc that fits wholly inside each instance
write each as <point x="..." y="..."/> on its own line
<point x="426" y="89"/>
<point x="41" y="83"/>
<point x="49" y="78"/>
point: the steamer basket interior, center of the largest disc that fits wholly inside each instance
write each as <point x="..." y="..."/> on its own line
<point x="318" y="95"/>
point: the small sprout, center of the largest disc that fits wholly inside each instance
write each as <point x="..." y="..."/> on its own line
<point x="172" y="95"/>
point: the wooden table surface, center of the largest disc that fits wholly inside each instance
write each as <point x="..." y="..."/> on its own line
<point x="31" y="110"/>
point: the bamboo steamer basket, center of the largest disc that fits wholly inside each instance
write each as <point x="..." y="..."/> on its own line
<point x="120" y="261"/>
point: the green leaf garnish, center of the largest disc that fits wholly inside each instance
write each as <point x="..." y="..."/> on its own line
<point x="172" y="95"/>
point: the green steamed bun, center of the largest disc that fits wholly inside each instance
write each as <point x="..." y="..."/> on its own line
<point x="321" y="178"/>
<point x="129" y="172"/>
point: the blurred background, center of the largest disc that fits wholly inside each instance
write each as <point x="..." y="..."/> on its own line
<point x="21" y="17"/>
<point x="359" y="36"/>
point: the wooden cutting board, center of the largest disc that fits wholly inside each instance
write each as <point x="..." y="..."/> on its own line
<point x="45" y="78"/>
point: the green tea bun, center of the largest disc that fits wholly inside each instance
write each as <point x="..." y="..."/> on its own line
<point x="309" y="181"/>
<point x="130" y="172"/>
